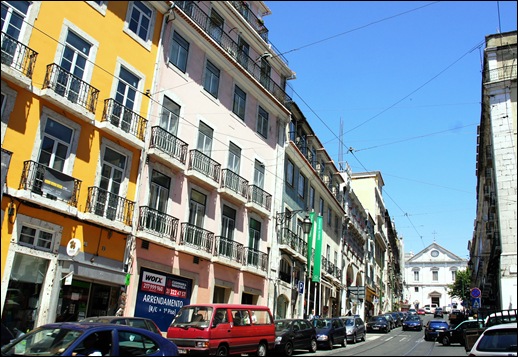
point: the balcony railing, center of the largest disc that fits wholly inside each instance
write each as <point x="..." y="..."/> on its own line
<point x="234" y="182"/>
<point x="124" y="118"/>
<point x="18" y="56"/>
<point x="232" y="48"/>
<point x="290" y="239"/>
<point x="500" y="73"/>
<point x="196" y="237"/>
<point x="109" y="205"/>
<point x="168" y="143"/>
<point x="260" y="197"/>
<point x="229" y="249"/>
<point x="50" y="183"/>
<point x="203" y="164"/>
<point x="331" y="269"/>
<point x="254" y="258"/>
<point x="256" y="23"/>
<point x="71" y="87"/>
<point x="157" y="223"/>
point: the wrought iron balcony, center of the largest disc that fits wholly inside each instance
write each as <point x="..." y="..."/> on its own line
<point x="71" y="87"/>
<point x="197" y="15"/>
<point x="256" y="23"/>
<point x="254" y="258"/>
<point x="168" y="143"/>
<point x="196" y="237"/>
<point x="500" y="73"/>
<point x="109" y="205"/>
<point x="18" y="56"/>
<point x="331" y="269"/>
<point x="227" y="248"/>
<point x="260" y="197"/>
<point x="290" y="239"/>
<point x="203" y="164"/>
<point x="157" y="223"/>
<point x="124" y="118"/>
<point x="232" y="181"/>
<point x="50" y="183"/>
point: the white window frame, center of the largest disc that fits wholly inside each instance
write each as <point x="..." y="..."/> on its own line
<point x="100" y="8"/>
<point x="56" y="230"/>
<point x="135" y="72"/>
<point x="290" y="173"/>
<point x="123" y="191"/>
<point x="7" y="106"/>
<point x="146" y="43"/>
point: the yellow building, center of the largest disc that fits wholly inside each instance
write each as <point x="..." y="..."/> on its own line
<point x="74" y="122"/>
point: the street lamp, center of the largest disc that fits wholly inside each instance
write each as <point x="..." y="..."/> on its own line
<point x="306" y="225"/>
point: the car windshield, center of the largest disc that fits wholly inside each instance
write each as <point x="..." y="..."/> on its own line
<point x="322" y="323"/>
<point x="377" y="319"/>
<point x="349" y="322"/>
<point x="282" y="325"/>
<point x="413" y="318"/>
<point x="196" y="316"/>
<point x="43" y="342"/>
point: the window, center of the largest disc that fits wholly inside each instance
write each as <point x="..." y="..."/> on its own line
<point x="329" y="215"/>
<point x="179" y="52"/>
<point x="259" y="174"/>
<point x="234" y="158"/>
<point x="36" y="238"/>
<point x="55" y="146"/>
<point x="140" y="20"/>
<point x="266" y="70"/>
<point x="228" y="225"/>
<point x="285" y="271"/>
<point x="158" y="197"/>
<point x="416" y="289"/>
<point x="435" y="275"/>
<point x="311" y="197"/>
<point x="416" y="275"/>
<point x="302" y="186"/>
<point x="216" y="26"/>
<point x="239" y="102"/>
<point x="13" y="21"/>
<point x="125" y="97"/>
<point x="289" y="173"/>
<point x="453" y="275"/>
<point x="243" y="49"/>
<point x="112" y="176"/>
<point x="253" y="242"/>
<point x="205" y="139"/>
<point x="170" y="116"/>
<point x="321" y="207"/>
<point x="262" y="123"/>
<point x="211" y="82"/>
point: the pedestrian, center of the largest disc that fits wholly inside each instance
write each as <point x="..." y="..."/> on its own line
<point x="312" y="314"/>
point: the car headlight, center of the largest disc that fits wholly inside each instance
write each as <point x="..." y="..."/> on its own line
<point x="278" y="339"/>
<point x="322" y="338"/>
<point x="202" y="344"/>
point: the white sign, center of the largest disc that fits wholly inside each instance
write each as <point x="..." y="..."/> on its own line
<point x="73" y="247"/>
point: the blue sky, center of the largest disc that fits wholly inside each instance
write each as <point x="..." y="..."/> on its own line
<point x="405" y="80"/>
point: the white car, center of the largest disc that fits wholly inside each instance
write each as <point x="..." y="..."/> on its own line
<point x="498" y="340"/>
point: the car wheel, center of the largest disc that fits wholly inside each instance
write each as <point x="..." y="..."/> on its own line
<point x="313" y="346"/>
<point x="222" y="351"/>
<point x="262" y="350"/>
<point x="445" y="341"/>
<point x="354" y="339"/>
<point x="344" y="342"/>
<point x="330" y="344"/>
<point x="288" y="349"/>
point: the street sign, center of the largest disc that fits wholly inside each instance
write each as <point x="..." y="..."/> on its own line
<point x="475" y="292"/>
<point x="475" y="302"/>
<point x="301" y="287"/>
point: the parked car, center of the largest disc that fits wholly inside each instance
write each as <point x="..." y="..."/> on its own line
<point x="141" y="322"/>
<point x="413" y="322"/>
<point x="398" y="319"/>
<point x="456" y="317"/>
<point x="294" y="334"/>
<point x="69" y="339"/>
<point x="430" y="308"/>
<point x="330" y="331"/>
<point x="378" y="324"/>
<point x="432" y="329"/>
<point x="421" y="312"/>
<point x="455" y="334"/>
<point x="497" y="340"/>
<point x="391" y="320"/>
<point x="500" y="317"/>
<point x="412" y="312"/>
<point x="7" y="335"/>
<point x="355" y="328"/>
<point x="438" y="312"/>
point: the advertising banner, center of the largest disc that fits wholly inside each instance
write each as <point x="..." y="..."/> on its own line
<point x="310" y="240"/>
<point x="161" y="295"/>
<point x="58" y="184"/>
<point x="318" y="251"/>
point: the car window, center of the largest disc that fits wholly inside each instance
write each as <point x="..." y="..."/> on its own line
<point x="502" y="340"/>
<point x="135" y="344"/>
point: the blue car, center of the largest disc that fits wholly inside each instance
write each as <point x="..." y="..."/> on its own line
<point x="330" y="331"/>
<point x="85" y="338"/>
<point x="413" y="322"/>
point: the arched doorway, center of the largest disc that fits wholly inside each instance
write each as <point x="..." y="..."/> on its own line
<point x="282" y="307"/>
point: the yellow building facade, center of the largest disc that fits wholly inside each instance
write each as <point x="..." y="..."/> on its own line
<point x="74" y="123"/>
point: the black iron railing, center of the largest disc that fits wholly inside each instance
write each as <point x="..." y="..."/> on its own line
<point x="71" y="87"/>
<point x="197" y="237"/>
<point x="500" y="73"/>
<point x="227" y="248"/>
<point x="203" y="164"/>
<point x="124" y="118"/>
<point x="260" y="197"/>
<point x="157" y="223"/>
<point x="18" y="56"/>
<point x="50" y="183"/>
<point x="290" y="239"/>
<point x="234" y="182"/>
<point x="109" y="205"/>
<point x="254" y="258"/>
<point x="168" y="143"/>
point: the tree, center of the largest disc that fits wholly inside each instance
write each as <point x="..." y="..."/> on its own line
<point x="461" y="287"/>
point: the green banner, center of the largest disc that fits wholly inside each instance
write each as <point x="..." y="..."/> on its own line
<point x="310" y="241"/>
<point x="318" y="251"/>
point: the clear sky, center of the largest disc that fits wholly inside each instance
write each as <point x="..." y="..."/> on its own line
<point x="405" y="80"/>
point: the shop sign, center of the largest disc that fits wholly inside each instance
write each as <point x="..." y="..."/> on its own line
<point x="73" y="247"/>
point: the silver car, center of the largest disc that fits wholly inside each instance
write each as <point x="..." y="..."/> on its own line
<point x="355" y="328"/>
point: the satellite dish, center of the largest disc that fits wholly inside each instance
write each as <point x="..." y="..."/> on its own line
<point x="73" y="247"/>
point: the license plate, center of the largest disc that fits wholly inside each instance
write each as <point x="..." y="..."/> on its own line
<point x="182" y="351"/>
<point x="375" y="328"/>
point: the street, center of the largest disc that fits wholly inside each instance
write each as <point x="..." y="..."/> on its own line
<point x="394" y="343"/>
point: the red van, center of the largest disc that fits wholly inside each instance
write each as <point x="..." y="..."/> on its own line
<point x="223" y="329"/>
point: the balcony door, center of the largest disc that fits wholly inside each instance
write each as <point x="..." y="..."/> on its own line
<point x="197" y="206"/>
<point x="112" y="175"/>
<point x="253" y="242"/>
<point x="73" y="65"/>
<point x="228" y="225"/>
<point x="125" y="97"/>
<point x="159" y="195"/>
<point x="13" y="16"/>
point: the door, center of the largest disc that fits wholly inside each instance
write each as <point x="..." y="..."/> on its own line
<point x="253" y="242"/>
<point x="159" y="195"/>
<point x="196" y="217"/>
<point x="112" y="175"/>
<point x="228" y="224"/>
<point x="125" y="96"/>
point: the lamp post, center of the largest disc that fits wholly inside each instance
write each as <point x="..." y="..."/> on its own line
<point x="306" y="228"/>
